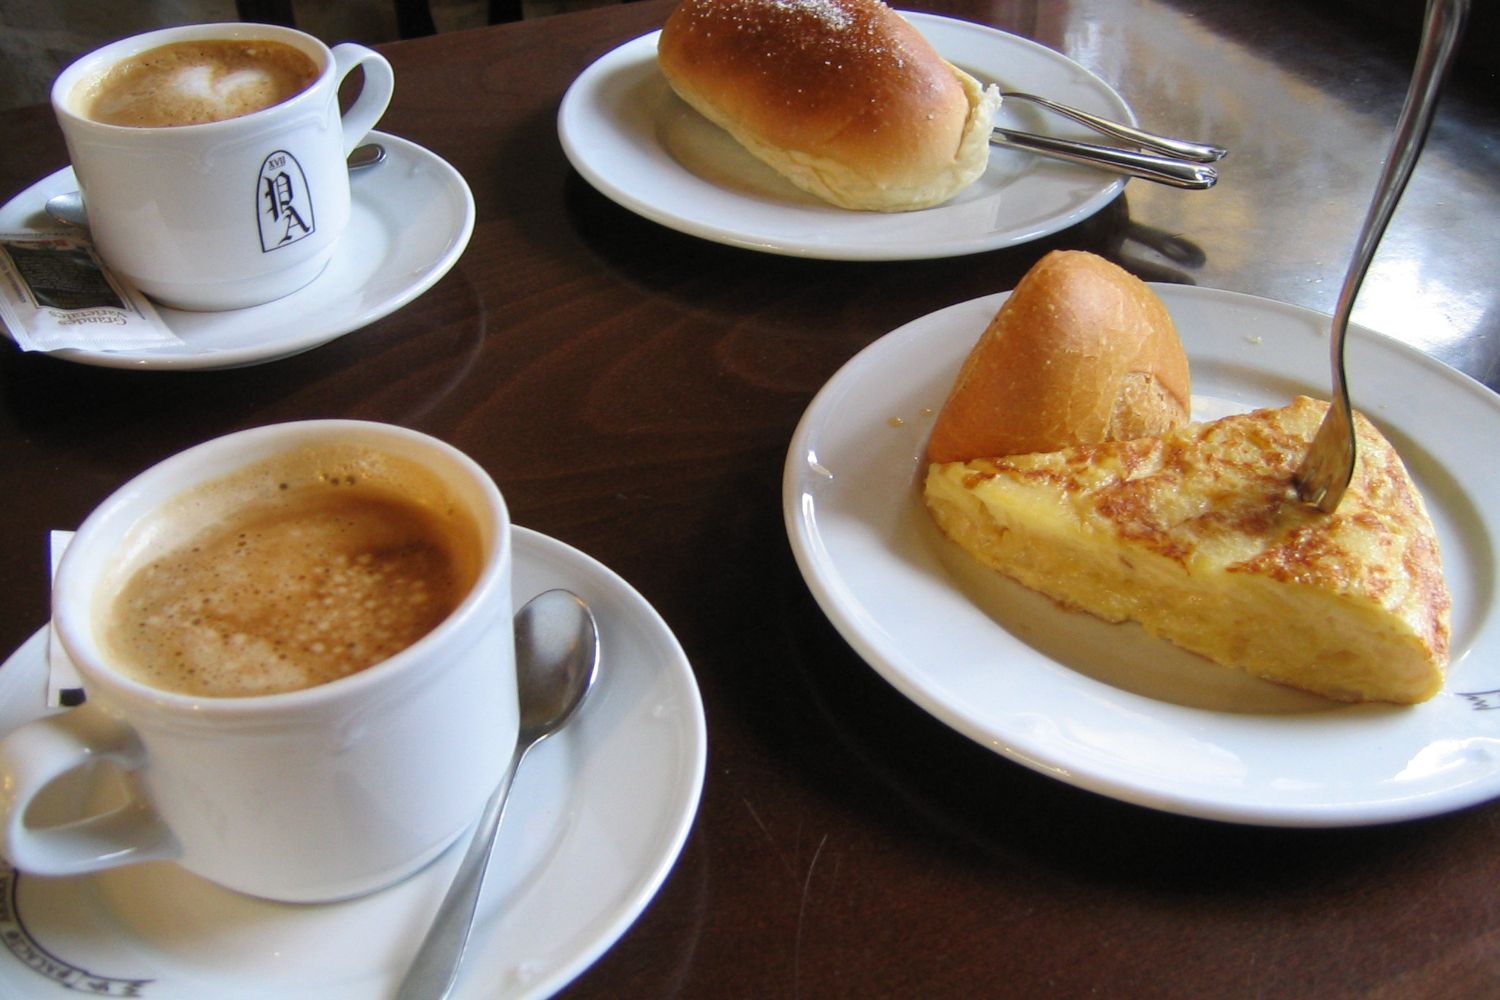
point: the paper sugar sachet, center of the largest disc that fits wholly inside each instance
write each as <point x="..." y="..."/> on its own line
<point x="64" y="687"/>
<point x="56" y="293"/>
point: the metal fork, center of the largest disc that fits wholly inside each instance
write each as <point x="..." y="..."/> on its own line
<point x="1185" y="149"/>
<point x="1328" y="467"/>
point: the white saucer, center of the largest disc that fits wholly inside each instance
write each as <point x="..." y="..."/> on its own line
<point x="410" y="220"/>
<point x="1106" y="707"/>
<point x="597" y="817"/>
<point x="630" y="136"/>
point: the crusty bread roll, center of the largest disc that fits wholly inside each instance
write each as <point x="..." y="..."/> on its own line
<point x="1081" y="353"/>
<point x="844" y="98"/>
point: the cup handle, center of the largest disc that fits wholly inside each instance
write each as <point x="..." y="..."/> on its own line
<point x="374" y="96"/>
<point x="39" y="753"/>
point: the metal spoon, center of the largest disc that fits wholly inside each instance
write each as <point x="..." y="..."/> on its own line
<point x="1328" y="466"/>
<point x="557" y="659"/>
<point x="1147" y="166"/>
<point x="68" y="208"/>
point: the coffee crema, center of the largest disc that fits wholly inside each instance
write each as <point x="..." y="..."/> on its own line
<point x="291" y="574"/>
<point x="194" y="82"/>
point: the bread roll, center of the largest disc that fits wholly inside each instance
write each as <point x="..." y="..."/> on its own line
<point x="1081" y="353"/>
<point x="842" y="97"/>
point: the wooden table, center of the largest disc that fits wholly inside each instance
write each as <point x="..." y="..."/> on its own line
<point x="633" y="391"/>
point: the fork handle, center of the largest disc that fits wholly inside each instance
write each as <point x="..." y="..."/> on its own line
<point x="1440" y="33"/>
<point x="1441" y="28"/>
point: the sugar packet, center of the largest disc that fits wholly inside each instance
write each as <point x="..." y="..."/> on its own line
<point x="56" y="293"/>
<point x="64" y="687"/>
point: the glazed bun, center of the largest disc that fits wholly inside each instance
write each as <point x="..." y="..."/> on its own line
<point x="844" y="98"/>
<point x="1082" y="352"/>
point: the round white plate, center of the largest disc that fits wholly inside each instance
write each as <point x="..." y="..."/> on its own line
<point x="635" y="141"/>
<point x="410" y="219"/>
<point x="597" y="817"/>
<point x="1106" y="707"/>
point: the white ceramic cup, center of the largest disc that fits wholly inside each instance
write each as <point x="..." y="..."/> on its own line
<point x="226" y="214"/>
<point x="317" y="794"/>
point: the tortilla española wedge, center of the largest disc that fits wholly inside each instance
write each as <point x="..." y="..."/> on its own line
<point x="1198" y="535"/>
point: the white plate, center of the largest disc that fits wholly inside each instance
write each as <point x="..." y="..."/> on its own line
<point x="596" y="819"/>
<point x="1106" y="707"/>
<point x="410" y="219"/>
<point x="635" y="141"/>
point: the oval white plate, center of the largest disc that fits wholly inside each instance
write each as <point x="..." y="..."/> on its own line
<point x="635" y="141"/>
<point x="1106" y="707"/>
<point x="410" y="220"/>
<point x="596" y="819"/>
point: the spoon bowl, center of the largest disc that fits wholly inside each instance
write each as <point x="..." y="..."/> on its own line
<point x="557" y="661"/>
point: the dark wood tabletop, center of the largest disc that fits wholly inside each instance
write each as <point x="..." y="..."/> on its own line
<point x="633" y="391"/>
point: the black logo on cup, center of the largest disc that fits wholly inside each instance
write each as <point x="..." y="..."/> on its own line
<point x="283" y="202"/>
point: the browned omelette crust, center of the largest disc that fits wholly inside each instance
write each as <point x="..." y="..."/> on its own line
<point x="1217" y="499"/>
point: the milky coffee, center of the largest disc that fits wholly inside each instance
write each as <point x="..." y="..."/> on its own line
<point x="289" y="574"/>
<point x="192" y="82"/>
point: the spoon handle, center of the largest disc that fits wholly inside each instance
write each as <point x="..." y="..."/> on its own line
<point x="1161" y="169"/>
<point x="433" y="971"/>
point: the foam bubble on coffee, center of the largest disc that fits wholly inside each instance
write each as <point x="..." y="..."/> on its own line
<point x="203" y="83"/>
<point x="291" y="574"/>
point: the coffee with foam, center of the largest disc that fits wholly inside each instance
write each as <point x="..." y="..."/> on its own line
<point x="289" y="574"/>
<point x="193" y="82"/>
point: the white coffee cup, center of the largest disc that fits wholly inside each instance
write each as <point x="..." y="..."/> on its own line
<point x="316" y="794"/>
<point x="223" y="214"/>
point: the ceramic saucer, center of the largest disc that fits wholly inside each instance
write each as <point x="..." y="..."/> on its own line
<point x="628" y="135"/>
<point x="410" y="219"/>
<point x="1108" y="707"/>
<point x="596" y="819"/>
